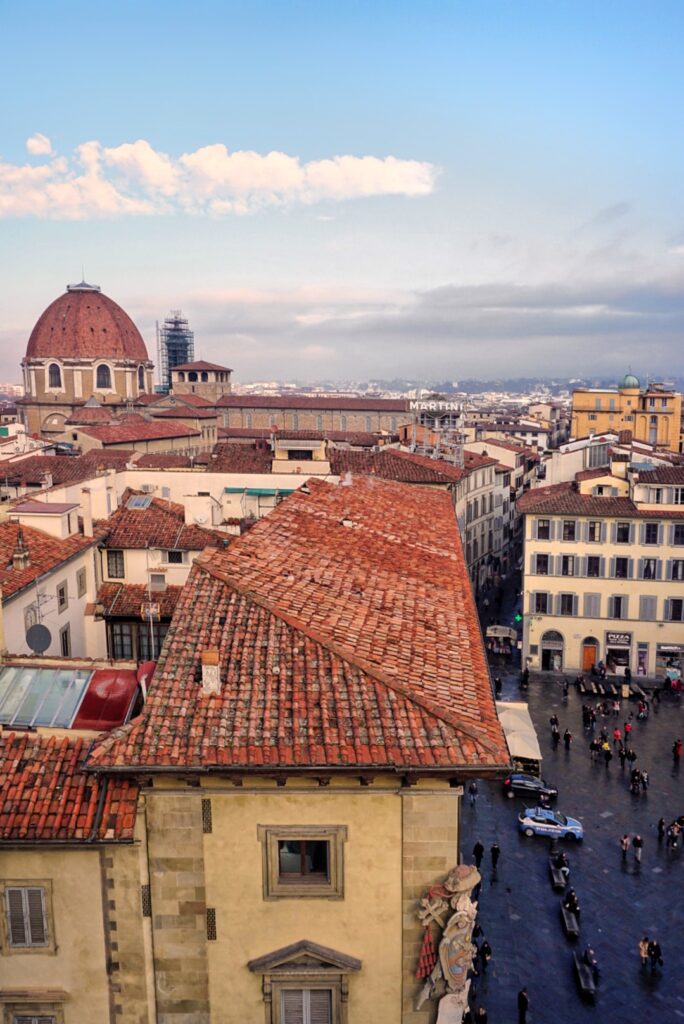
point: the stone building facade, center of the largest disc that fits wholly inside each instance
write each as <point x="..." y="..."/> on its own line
<point x="298" y="412"/>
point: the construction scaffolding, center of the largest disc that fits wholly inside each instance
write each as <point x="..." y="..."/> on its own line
<point x="175" y="346"/>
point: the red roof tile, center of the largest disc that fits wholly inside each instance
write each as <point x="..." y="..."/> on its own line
<point x="662" y="475"/>
<point x="307" y="402"/>
<point x="240" y="458"/>
<point x="201" y="364"/>
<point x="356" y="438"/>
<point x="186" y="412"/>
<point x="160" y="525"/>
<point x="348" y="638"/>
<point x="129" y="433"/>
<point x="45" y="797"/>
<point x="124" y="600"/>
<point x="85" y="324"/>
<point x="46" y="554"/>
<point x="64" y="469"/>
<point x="393" y="464"/>
<point x="563" y="499"/>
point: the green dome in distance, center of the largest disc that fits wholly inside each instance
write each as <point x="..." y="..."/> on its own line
<point x="630" y="381"/>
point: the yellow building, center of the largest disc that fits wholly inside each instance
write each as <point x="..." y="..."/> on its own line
<point x="321" y="697"/>
<point x="653" y="414"/>
<point x="604" y="571"/>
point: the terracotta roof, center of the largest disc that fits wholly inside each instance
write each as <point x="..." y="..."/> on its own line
<point x="357" y="438"/>
<point x="473" y="460"/>
<point x="563" y="499"/>
<point x="46" y="554"/>
<point x="239" y="458"/>
<point x="88" y="325"/>
<point x="663" y="475"/>
<point x="45" y="797"/>
<point x="392" y="464"/>
<point x="147" y="399"/>
<point x="160" y="525"/>
<point x="124" y="600"/>
<point x="48" y="508"/>
<point x="179" y="412"/>
<point x="129" y="433"/>
<point x="201" y="364"/>
<point x="593" y="474"/>
<point x="509" y="446"/>
<point x="64" y="469"/>
<point x="87" y="414"/>
<point x="190" y="399"/>
<point x="160" y="460"/>
<point x="306" y="402"/>
<point x="348" y="637"/>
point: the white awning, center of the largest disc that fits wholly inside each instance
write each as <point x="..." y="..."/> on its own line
<point x="519" y="730"/>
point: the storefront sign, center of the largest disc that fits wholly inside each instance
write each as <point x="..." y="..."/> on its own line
<point x="437" y="406"/>
<point x="619" y="639"/>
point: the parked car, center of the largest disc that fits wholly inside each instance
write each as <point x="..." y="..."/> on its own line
<point x="542" y="821"/>
<point x="527" y="785"/>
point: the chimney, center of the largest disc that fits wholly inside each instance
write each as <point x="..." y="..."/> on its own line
<point x="211" y="680"/>
<point x="21" y="558"/>
<point x="87" y="510"/>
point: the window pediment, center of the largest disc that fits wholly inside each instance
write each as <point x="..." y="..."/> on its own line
<point x="305" y="956"/>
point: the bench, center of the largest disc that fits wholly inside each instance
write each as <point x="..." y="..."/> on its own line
<point x="636" y="691"/>
<point x="558" y="879"/>
<point x="570" y="923"/>
<point x="584" y="977"/>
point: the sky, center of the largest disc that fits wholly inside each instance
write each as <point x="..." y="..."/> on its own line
<point x="353" y="190"/>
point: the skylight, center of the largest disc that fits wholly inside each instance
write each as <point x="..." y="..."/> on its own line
<point x="41" y="696"/>
<point x="139" y="501"/>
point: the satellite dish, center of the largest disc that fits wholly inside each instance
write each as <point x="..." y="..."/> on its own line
<point x="38" y="638"/>
<point x="201" y="518"/>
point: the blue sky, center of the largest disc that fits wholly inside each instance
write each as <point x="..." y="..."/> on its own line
<point x="519" y="208"/>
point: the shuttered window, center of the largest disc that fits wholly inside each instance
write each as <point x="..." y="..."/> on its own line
<point x="22" y="1018"/>
<point x="647" y="608"/>
<point x="26" y="916"/>
<point x="306" y="1006"/>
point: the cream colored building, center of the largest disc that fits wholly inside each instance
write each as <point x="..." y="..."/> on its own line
<point x="604" y="571"/>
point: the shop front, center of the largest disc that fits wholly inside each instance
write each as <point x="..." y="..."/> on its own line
<point x="552" y="650"/>
<point x="618" y="649"/>
<point x="669" y="661"/>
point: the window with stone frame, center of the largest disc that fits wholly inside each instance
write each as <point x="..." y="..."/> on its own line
<point x="594" y="566"/>
<point x="674" y="609"/>
<point x="594" y="531"/>
<point x="622" y="533"/>
<point x="81" y="582"/>
<point x="541" y="603"/>
<point x="33" y="1013"/>
<point x="567" y="565"/>
<point x="651" y="533"/>
<point x="677" y="569"/>
<point x="303" y="861"/>
<point x="542" y="565"/>
<point x="621" y="568"/>
<point x="305" y="983"/>
<point x="569" y="529"/>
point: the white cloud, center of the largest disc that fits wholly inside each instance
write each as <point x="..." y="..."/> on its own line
<point x="134" y="178"/>
<point x="39" y="145"/>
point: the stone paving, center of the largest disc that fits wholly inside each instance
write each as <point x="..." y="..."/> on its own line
<point x="519" y="911"/>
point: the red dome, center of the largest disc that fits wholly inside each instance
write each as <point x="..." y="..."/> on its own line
<point x="85" y="324"/>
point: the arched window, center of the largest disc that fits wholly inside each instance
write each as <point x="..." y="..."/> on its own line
<point x="141" y="378"/>
<point x="192" y="376"/>
<point x="204" y="376"/>
<point x="103" y="377"/>
<point x="181" y="375"/>
<point x="54" y="376"/>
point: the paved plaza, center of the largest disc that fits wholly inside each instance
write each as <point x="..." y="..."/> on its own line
<point x="519" y="911"/>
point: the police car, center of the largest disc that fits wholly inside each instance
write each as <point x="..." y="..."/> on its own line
<point x="542" y="821"/>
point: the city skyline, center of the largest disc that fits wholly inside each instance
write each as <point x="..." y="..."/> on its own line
<point x="342" y="193"/>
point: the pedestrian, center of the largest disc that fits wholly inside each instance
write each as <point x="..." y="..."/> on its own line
<point x="478" y="854"/>
<point x="627" y="730"/>
<point x="567" y="739"/>
<point x="480" y="1015"/>
<point x="677" y="752"/>
<point x="607" y="754"/>
<point x="497" y="691"/>
<point x="495" y="854"/>
<point x="655" y="954"/>
<point x="661" y="829"/>
<point x="472" y="792"/>
<point x="644" y="780"/>
<point x="485" y="955"/>
<point x="525" y="678"/>
<point x="624" y="846"/>
<point x="637" y="844"/>
<point x="643" y="950"/>
<point x="523" y="1004"/>
<point x="616" y="708"/>
<point x="622" y="754"/>
<point x="631" y="755"/>
<point x="617" y="736"/>
<point x="553" y="722"/>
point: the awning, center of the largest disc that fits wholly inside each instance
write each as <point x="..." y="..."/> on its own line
<point x="502" y="633"/>
<point x="519" y="730"/>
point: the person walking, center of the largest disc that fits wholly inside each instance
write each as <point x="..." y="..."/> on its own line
<point x="655" y="954"/>
<point x="643" y="951"/>
<point x="644" y="780"/>
<point x="480" y="1015"/>
<point x="523" y="1004"/>
<point x="495" y="853"/>
<point x="472" y="793"/>
<point x="607" y="754"/>
<point x="627" y="731"/>
<point x="478" y="854"/>
<point x="622" y="754"/>
<point x="485" y="955"/>
<point x="624" y="846"/>
<point x="677" y="752"/>
<point x="637" y="845"/>
<point x="567" y="739"/>
<point x="661" y="829"/>
<point x="617" y="736"/>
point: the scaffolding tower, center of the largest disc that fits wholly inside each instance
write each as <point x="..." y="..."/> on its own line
<point x="175" y="346"/>
<point x="437" y="430"/>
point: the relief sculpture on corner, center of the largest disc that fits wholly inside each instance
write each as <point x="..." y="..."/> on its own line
<point x="445" y="964"/>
